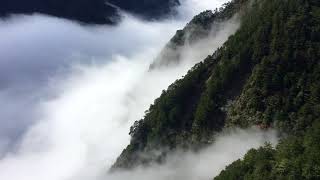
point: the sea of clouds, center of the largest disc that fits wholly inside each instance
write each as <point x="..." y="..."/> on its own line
<point x="69" y="94"/>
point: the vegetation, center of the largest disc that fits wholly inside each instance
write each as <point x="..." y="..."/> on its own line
<point x="283" y="92"/>
<point x="267" y="74"/>
<point x="296" y="157"/>
<point x="197" y="29"/>
<point x="283" y="89"/>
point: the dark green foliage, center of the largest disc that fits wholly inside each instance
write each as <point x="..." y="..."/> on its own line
<point x="171" y="121"/>
<point x="266" y="74"/>
<point x="283" y="88"/>
<point x="283" y="91"/>
<point x="256" y="165"/>
<point x="295" y="158"/>
<point x="197" y="29"/>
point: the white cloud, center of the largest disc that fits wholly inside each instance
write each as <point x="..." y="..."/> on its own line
<point x="189" y="8"/>
<point x="206" y="164"/>
<point x="72" y="91"/>
<point x="35" y="50"/>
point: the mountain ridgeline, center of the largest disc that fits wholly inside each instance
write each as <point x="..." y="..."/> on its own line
<point x="198" y="29"/>
<point x="90" y="11"/>
<point x="267" y="74"/>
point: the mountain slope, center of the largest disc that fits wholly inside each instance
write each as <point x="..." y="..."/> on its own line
<point x="284" y="92"/>
<point x="88" y="11"/>
<point x="168" y="123"/>
<point x="296" y="157"/>
<point x="197" y="30"/>
<point x="267" y="74"/>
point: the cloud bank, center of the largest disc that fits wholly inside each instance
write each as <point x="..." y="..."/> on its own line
<point x="206" y="164"/>
<point x="37" y="51"/>
<point x="70" y="93"/>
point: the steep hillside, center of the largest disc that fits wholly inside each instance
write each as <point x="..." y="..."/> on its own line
<point x="296" y="157"/>
<point x="267" y="74"/>
<point x="88" y="11"/>
<point x="284" y="92"/>
<point x="168" y="123"/>
<point x="198" y="29"/>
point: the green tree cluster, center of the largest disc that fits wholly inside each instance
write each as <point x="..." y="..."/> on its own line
<point x="295" y="158"/>
<point x="266" y="74"/>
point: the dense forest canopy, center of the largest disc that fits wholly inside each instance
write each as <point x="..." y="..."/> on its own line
<point x="267" y="74"/>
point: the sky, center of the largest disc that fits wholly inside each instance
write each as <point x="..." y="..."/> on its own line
<point x="69" y="93"/>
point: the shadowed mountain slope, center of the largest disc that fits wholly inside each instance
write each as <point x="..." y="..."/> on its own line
<point x="89" y="11"/>
<point x="266" y="74"/>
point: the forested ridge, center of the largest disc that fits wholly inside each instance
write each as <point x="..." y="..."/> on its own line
<point x="267" y="74"/>
<point x="284" y="92"/>
<point x="198" y="29"/>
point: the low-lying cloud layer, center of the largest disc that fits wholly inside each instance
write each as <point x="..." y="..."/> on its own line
<point x="37" y="51"/>
<point x="206" y="164"/>
<point x="69" y="93"/>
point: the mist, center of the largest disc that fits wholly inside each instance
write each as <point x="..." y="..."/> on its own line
<point x="37" y="52"/>
<point x="230" y="145"/>
<point x="71" y="92"/>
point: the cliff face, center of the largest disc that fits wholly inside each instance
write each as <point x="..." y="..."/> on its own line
<point x="89" y="11"/>
<point x="267" y="74"/>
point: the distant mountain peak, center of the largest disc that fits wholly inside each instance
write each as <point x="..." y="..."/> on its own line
<point x="89" y="11"/>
